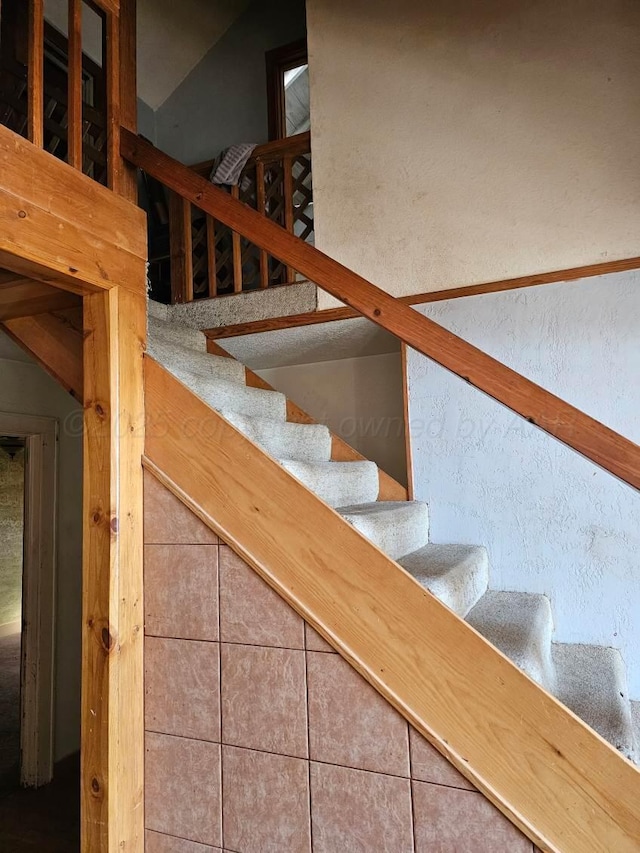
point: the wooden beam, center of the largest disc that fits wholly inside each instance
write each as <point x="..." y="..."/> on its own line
<point x="26" y="297"/>
<point x="112" y="669"/>
<point x="61" y="227"/>
<point x="35" y="73"/>
<point x="552" y="775"/>
<point x="390" y="489"/>
<point x="181" y="249"/>
<point x="331" y="315"/>
<point x="55" y="345"/>
<point x="584" y="434"/>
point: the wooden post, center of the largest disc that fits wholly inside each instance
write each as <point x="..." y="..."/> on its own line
<point x="74" y="123"/>
<point x="236" y="246"/>
<point x="212" y="269"/>
<point x="35" y="71"/>
<point x="120" y="60"/>
<point x="181" y="249"/>
<point x="261" y="204"/>
<point x="287" y="182"/>
<point x="112" y="642"/>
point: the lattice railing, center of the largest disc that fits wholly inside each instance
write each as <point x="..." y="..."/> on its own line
<point x="208" y="259"/>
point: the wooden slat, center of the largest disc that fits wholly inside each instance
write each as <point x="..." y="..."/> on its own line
<point x="111" y="52"/>
<point x="127" y="184"/>
<point x="212" y="271"/>
<point x="574" y="428"/>
<point x="555" y="778"/>
<point x="61" y="227"/>
<point x="390" y="489"/>
<point x="35" y="85"/>
<point x="112" y="670"/>
<point x="287" y="188"/>
<point x="108" y="6"/>
<point x="55" y="345"/>
<point x="236" y="248"/>
<point x="74" y="95"/>
<point x="408" y="455"/>
<point x="260" y="201"/>
<point x="181" y="248"/>
<point x="27" y="298"/>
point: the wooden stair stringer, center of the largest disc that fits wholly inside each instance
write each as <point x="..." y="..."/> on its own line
<point x="547" y="771"/>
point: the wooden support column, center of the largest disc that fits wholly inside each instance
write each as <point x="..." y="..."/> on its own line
<point x="112" y="643"/>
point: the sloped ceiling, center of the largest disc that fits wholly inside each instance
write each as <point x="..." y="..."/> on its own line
<point x="173" y="36"/>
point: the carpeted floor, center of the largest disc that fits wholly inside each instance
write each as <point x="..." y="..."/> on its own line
<point x="9" y="711"/>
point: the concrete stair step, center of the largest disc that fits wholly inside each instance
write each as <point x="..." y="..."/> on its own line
<point x="302" y="442"/>
<point x="221" y="394"/>
<point x="592" y="682"/>
<point x="176" y="333"/>
<point x="195" y="361"/>
<point x="458" y="575"/>
<point x="520" y="624"/>
<point x="396" y="527"/>
<point x="337" y="483"/>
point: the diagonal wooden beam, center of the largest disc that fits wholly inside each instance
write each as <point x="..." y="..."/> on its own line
<point x="25" y="298"/>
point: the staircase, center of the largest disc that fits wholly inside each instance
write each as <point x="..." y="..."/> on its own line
<point x="590" y="680"/>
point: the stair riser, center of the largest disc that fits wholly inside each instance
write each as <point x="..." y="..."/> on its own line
<point x="396" y="534"/>
<point x="339" y="484"/>
<point x="302" y="442"/>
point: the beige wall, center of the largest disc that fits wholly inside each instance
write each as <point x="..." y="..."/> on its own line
<point x="459" y="142"/>
<point x="359" y="399"/>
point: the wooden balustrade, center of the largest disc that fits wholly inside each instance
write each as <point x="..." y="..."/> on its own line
<point x="60" y="99"/>
<point x="584" y="434"/>
<point x="276" y="182"/>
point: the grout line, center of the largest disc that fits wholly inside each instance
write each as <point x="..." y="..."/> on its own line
<point x="306" y="685"/>
<point x="411" y="803"/>
<point x="184" y="838"/>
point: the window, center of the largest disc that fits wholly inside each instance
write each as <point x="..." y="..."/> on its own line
<point x="288" y="90"/>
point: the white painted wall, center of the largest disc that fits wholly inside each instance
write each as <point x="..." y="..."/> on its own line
<point x="25" y="388"/>
<point x="456" y="142"/>
<point x="553" y="522"/>
<point x="360" y="399"/>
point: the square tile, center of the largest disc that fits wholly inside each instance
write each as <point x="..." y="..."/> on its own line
<point x="314" y="642"/>
<point x="428" y="765"/>
<point x="181" y="591"/>
<point x="266" y="802"/>
<point x="182" y="688"/>
<point x="359" y="811"/>
<point x="250" y="611"/>
<point x="167" y="521"/>
<point x="448" y="819"/>
<point x="183" y="788"/>
<point x="155" y="842"/>
<point x="264" y="699"/>
<point x="350" y="723"/>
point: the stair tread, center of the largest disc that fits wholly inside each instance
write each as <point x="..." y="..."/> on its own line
<point x="337" y="483"/>
<point x="592" y="682"/>
<point x="177" y="333"/>
<point x="223" y="394"/>
<point x="302" y="442"/>
<point x="520" y="624"/>
<point x="396" y="527"/>
<point x="195" y="361"/>
<point x="458" y="575"/>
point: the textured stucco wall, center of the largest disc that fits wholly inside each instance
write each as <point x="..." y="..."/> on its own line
<point x="457" y="142"/>
<point x="360" y="399"/>
<point x="223" y="101"/>
<point x="553" y="522"/>
<point x="25" y="388"/>
<point x="11" y="526"/>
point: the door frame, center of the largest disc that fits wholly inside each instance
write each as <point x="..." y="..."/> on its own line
<point x="37" y="657"/>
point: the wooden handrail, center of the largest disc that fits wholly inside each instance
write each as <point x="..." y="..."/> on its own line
<point x="268" y="152"/>
<point x="552" y="775"/>
<point x="584" y="434"/>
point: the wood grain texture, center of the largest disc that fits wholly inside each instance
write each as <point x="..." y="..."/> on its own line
<point x="29" y="297"/>
<point x="126" y="183"/>
<point x="181" y="249"/>
<point x="555" y="778"/>
<point x="61" y="227"/>
<point x="74" y="89"/>
<point x="594" y="440"/>
<point x="389" y="489"/>
<point x="112" y="667"/>
<point x="35" y="73"/>
<point x="55" y="345"/>
<point x="331" y="315"/>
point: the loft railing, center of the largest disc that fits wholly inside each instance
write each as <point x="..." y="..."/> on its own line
<point x="577" y="430"/>
<point x="61" y="99"/>
<point x="203" y="257"/>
